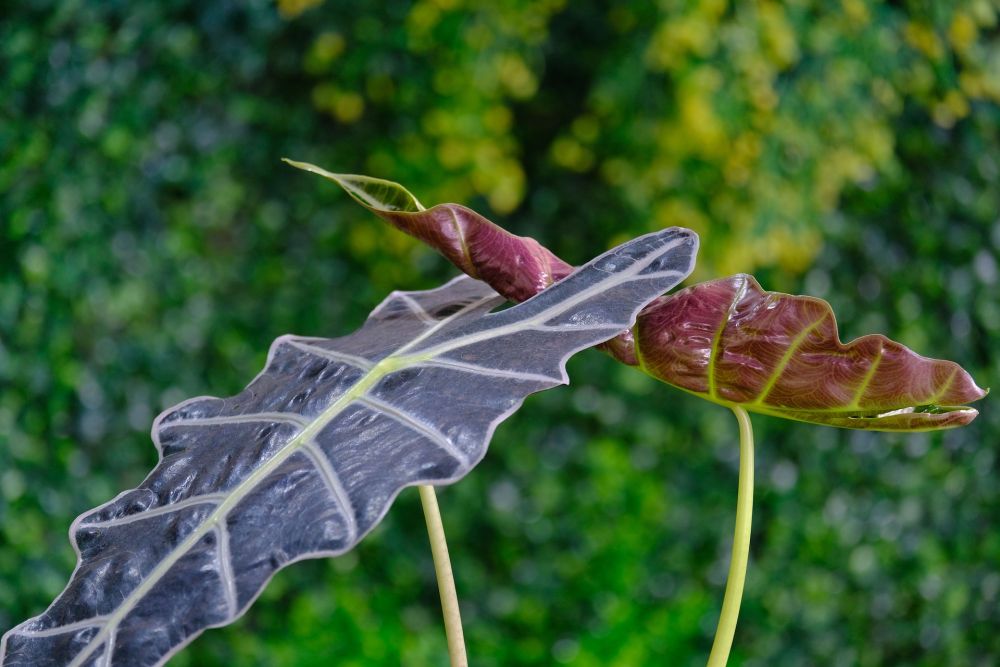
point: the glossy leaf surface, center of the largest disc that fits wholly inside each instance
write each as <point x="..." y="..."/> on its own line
<point x="773" y="353"/>
<point x="731" y="342"/>
<point x="307" y="459"/>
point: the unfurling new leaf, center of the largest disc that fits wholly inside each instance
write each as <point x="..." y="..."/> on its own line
<point x="518" y="267"/>
<point x="307" y="459"/>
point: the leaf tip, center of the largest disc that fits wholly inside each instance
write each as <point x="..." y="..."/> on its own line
<point x="306" y="166"/>
<point x="963" y="389"/>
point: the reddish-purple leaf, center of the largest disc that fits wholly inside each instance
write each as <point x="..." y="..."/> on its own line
<point x="731" y="342"/>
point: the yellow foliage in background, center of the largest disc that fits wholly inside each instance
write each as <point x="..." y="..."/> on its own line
<point x="744" y="121"/>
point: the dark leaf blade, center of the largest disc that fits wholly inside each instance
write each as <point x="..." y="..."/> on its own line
<point x="308" y="458"/>
<point x="731" y="342"/>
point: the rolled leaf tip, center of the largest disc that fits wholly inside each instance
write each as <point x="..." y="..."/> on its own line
<point x="376" y="194"/>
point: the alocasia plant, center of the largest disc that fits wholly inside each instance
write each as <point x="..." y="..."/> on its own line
<point x="309" y="456"/>
<point x="725" y="340"/>
<point x="307" y="459"/>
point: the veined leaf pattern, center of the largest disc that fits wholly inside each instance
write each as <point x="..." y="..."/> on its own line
<point x="307" y="459"/>
<point x="731" y="342"/>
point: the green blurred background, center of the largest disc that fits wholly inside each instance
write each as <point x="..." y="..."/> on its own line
<point x="152" y="245"/>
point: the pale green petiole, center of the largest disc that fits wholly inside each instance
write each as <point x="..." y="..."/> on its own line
<point x="741" y="547"/>
<point x="446" y="582"/>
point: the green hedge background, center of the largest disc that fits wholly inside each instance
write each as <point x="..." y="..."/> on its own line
<point x="152" y="245"/>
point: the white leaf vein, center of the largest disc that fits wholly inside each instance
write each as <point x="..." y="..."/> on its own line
<point x="486" y="370"/>
<point x="109" y="649"/>
<point x="414" y="424"/>
<point x="226" y="575"/>
<point x="226" y="420"/>
<point x="62" y="629"/>
<point x="563" y="328"/>
<point x="204" y="499"/>
<point x="333" y="483"/>
<point x="416" y="308"/>
<point x="342" y="357"/>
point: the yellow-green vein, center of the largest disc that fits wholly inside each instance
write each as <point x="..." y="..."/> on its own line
<point x="782" y="364"/>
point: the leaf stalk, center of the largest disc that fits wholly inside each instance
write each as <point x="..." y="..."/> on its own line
<point x="726" y="629"/>
<point x="446" y="581"/>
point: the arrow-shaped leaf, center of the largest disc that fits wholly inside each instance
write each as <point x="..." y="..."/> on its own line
<point x="726" y="340"/>
<point x="307" y="459"/>
<point x="731" y="342"/>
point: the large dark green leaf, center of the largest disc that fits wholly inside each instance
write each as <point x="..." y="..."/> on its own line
<point x="307" y="459"/>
